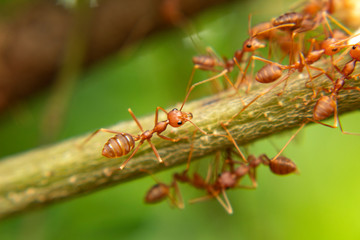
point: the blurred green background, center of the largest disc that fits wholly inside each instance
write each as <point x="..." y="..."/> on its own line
<point x="320" y="203"/>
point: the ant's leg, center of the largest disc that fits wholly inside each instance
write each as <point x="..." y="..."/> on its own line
<point x="201" y="199"/>
<point x="342" y="55"/>
<point x="247" y="187"/>
<point x="192" y="76"/>
<point x="242" y="79"/>
<point x="178" y="199"/>
<point x="201" y="82"/>
<point x="122" y="166"/>
<point x="96" y="132"/>
<point x="191" y="151"/>
<point x="157" y="113"/>
<point x="155" y="151"/>
<point x="234" y="142"/>
<point x="337" y="120"/>
<point x="256" y="98"/>
<point x="324" y="124"/>
<point x="326" y="15"/>
<point x="315" y="91"/>
<point x="151" y="175"/>
<point x="135" y="119"/>
<point x="202" y="131"/>
<point x="208" y="174"/>
<point x="252" y="176"/>
<point x="227" y="204"/>
<point x="291" y="138"/>
<point x="307" y="67"/>
<point x="171" y="139"/>
<point x="211" y="54"/>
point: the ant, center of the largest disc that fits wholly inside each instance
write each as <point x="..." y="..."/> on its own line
<point x="122" y="143"/>
<point x="325" y="106"/>
<point x="252" y="43"/>
<point x="320" y="11"/>
<point x="349" y="67"/>
<point x="279" y="164"/>
<point x="301" y="23"/>
<point x="314" y="14"/>
<point x="258" y="32"/>
<point x="230" y="179"/>
<point x="272" y="71"/>
<point x="160" y="191"/>
<point x="210" y="62"/>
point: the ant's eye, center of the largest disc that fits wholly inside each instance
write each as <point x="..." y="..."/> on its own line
<point x="354" y="47"/>
<point x="175" y="109"/>
<point x="248" y="45"/>
<point x="334" y="49"/>
<point x="179" y="123"/>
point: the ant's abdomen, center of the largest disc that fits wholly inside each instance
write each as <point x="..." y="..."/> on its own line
<point x="324" y="108"/>
<point x="269" y="73"/>
<point x="282" y="166"/>
<point x="119" y="145"/>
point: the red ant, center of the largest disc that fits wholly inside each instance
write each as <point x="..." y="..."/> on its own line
<point x="230" y="179"/>
<point x="273" y="71"/>
<point x="312" y="16"/>
<point x="258" y="32"/>
<point x="279" y="165"/>
<point x="225" y="180"/>
<point x="301" y="23"/>
<point x="261" y="31"/>
<point x="349" y="67"/>
<point x="252" y="43"/>
<point x="160" y="191"/>
<point x="122" y="143"/>
<point x="210" y="62"/>
<point x="325" y="106"/>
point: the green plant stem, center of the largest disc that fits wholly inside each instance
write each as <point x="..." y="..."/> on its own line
<point x="65" y="170"/>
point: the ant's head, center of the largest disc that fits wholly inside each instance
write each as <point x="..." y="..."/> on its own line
<point x="177" y="118"/>
<point x="330" y="46"/>
<point x="355" y="52"/>
<point x="252" y="44"/>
